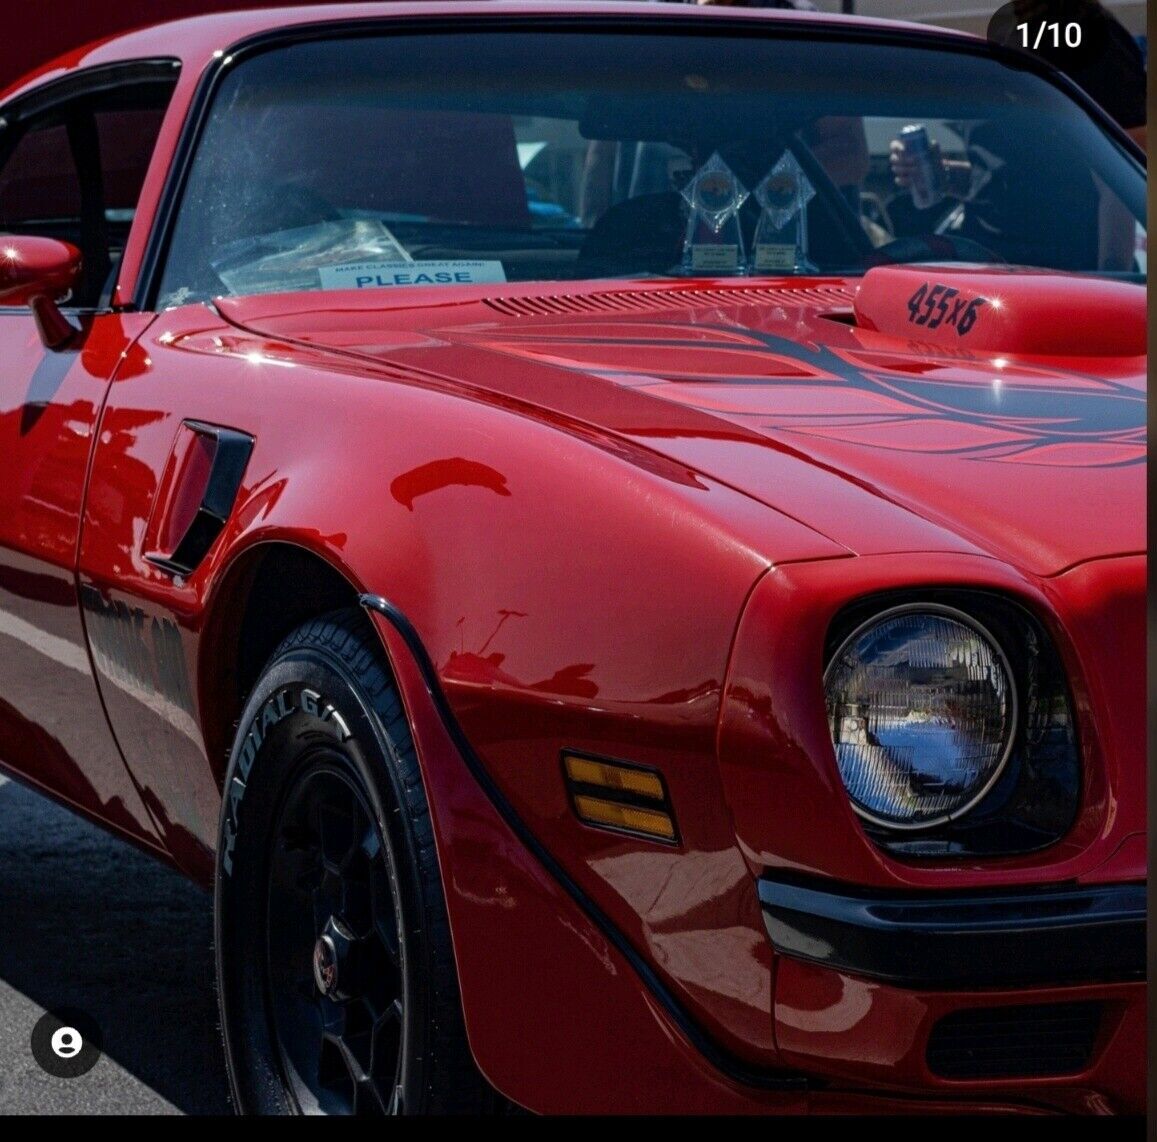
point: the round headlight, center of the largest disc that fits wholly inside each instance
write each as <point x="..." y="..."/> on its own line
<point x="922" y="710"/>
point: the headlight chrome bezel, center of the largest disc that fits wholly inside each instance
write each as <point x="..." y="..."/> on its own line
<point x="1012" y="714"/>
<point x="1038" y="793"/>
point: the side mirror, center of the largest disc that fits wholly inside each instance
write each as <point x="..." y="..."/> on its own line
<point x="37" y="272"/>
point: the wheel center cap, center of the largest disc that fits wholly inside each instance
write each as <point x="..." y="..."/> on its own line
<point x="325" y="965"/>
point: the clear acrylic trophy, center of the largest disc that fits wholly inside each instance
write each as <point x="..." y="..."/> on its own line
<point x="781" y="236"/>
<point x="713" y="243"/>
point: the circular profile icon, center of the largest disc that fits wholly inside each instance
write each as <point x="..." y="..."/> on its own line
<point x="66" y="1043"/>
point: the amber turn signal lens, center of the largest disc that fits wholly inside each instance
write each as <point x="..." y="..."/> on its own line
<point x="596" y="811"/>
<point x="587" y="771"/>
<point x="621" y="796"/>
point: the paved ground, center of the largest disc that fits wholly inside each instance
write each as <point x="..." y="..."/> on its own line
<point x="89" y="923"/>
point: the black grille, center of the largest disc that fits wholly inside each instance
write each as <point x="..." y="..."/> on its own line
<point x="1014" y="1042"/>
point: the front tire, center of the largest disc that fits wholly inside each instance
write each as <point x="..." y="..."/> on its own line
<point x="335" y="970"/>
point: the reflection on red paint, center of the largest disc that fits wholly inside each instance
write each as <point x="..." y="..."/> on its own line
<point x="438" y="474"/>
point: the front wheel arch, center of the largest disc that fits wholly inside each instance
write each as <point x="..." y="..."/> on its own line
<point x="266" y="592"/>
<point x="325" y="713"/>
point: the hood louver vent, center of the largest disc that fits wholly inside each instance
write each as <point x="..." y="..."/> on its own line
<point x="647" y="301"/>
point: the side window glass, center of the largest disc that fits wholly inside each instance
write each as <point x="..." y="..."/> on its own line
<point x="75" y="170"/>
<point x="39" y="186"/>
<point x="127" y="137"/>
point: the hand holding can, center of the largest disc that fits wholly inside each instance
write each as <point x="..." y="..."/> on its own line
<point x="917" y="166"/>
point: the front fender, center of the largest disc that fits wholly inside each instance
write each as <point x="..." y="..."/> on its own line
<point x="570" y="590"/>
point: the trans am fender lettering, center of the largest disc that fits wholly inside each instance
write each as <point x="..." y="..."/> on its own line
<point x="139" y="653"/>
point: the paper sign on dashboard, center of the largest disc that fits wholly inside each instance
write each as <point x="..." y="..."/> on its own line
<point x="376" y="275"/>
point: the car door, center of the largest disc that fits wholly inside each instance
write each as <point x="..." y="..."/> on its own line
<point x="73" y="156"/>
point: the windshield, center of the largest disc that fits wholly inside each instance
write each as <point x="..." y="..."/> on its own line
<point x="423" y="159"/>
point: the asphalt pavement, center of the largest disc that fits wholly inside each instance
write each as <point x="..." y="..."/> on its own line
<point x="89" y="923"/>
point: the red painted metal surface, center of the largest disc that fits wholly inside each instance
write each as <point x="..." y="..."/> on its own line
<point x="53" y="730"/>
<point x="36" y="267"/>
<point x="536" y="632"/>
<point x="775" y="746"/>
<point x="1004" y="311"/>
<point x="605" y="542"/>
<point x="75" y="23"/>
<point x="523" y="666"/>
<point x="580" y="988"/>
<point x="503" y="911"/>
<point x="876" y="434"/>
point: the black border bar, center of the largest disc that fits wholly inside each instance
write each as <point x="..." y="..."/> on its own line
<point x="1015" y="937"/>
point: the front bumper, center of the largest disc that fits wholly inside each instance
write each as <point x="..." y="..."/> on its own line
<point x="1031" y="994"/>
<point x="1022" y="937"/>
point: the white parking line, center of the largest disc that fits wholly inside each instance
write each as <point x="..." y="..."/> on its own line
<point x="58" y="649"/>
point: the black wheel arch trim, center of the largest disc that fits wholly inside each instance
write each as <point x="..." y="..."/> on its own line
<point x="721" y="1059"/>
<point x="1029" y="936"/>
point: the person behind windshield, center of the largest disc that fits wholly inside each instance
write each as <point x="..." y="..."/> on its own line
<point x="1021" y="198"/>
<point x="1114" y="76"/>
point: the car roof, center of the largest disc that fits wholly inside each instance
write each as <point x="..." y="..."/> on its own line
<point x="197" y="40"/>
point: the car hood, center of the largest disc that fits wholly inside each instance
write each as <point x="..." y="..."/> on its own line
<point x="1021" y="437"/>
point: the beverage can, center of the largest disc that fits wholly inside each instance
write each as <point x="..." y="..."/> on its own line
<point x="927" y="179"/>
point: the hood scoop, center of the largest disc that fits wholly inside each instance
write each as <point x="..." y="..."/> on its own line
<point x="650" y="301"/>
<point x="1013" y="311"/>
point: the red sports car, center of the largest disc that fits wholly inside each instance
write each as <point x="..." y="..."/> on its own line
<point x="611" y="534"/>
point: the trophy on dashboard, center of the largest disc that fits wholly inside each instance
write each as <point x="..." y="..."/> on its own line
<point x="781" y="237"/>
<point x="713" y="243"/>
